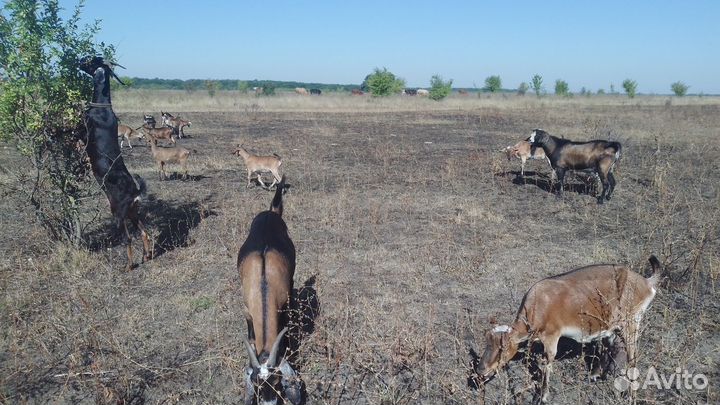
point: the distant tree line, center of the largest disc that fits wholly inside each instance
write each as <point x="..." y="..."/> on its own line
<point x="226" y="84"/>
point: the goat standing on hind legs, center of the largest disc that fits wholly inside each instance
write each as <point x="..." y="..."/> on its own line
<point x="123" y="191"/>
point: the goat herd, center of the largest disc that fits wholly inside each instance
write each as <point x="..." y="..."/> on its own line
<point x="599" y="304"/>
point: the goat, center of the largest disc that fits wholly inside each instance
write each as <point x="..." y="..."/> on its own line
<point x="301" y="91"/>
<point x="123" y="191"/>
<point x="315" y="92"/>
<point x="524" y="151"/>
<point x="163" y="156"/>
<point x="423" y="92"/>
<point x="125" y="132"/>
<point x="166" y="133"/>
<point x="149" y="120"/>
<point x="564" y="155"/>
<point x="266" y="263"/>
<point x="259" y="165"/>
<point x="176" y="123"/>
<point x="585" y="304"/>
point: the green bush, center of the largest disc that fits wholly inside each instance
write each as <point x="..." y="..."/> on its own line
<point x="382" y="83"/>
<point x="42" y="100"/>
<point x="243" y="86"/>
<point x="679" y="88"/>
<point x="562" y="88"/>
<point x="630" y="87"/>
<point x="522" y="89"/>
<point x="493" y="84"/>
<point x="268" y="89"/>
<point x="439" y="89"/>
<point x="211" y="86"/>
<point x="537" y="84"/>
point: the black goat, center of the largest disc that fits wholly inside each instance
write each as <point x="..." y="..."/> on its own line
<point x="123" y="191"/>
<point x="564" y="155"/>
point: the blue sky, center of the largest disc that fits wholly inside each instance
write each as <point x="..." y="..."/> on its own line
<point x="588" y="44"/>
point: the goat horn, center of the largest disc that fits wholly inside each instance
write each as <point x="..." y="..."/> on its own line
<point x="252" y="355"/>
<point x="272" y="359"/>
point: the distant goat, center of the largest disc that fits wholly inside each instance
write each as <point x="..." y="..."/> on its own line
<point x="357" y="92"/>
<point x="315" y="92"/>
<point x="423" y="92"/>
<point x="176" y="123"/>
<point x="163" y="156"/>
<point x="410" y="92"/>
<point x="564" y="155"/>
<point x="149" y="120"/>
<point x="123" y="191"/>
<point x="524" y="151"/>
<point x="301" y="91"/>
<point x="266" y="263"/>
<point x="585" y="304"/>
<point x="125" y="133"/>
<point x="259" y="165"/>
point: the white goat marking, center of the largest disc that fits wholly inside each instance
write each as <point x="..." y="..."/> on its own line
<point x="502" y="329"/>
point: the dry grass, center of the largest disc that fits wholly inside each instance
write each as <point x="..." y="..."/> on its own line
<point x="412" y="231"/>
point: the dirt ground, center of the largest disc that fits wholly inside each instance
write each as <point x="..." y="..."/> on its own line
<point x="414" y="233"/>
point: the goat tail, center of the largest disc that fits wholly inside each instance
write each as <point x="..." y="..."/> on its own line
<point x="277" y="204"/>
<point x="656" y="270"/>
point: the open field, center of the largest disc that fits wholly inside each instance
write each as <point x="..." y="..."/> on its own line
<point x="412" y="231"/>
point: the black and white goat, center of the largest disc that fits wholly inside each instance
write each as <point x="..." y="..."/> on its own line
<point x="266" y="263"/>
<point x="599" y="156"/>
<point x="123" y="191"/>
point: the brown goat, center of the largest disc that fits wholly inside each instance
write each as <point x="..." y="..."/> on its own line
<point x="598" y="155"/>
<point x="259" y="165"/>
<point x="585" y="304"/>
<point x="524" y="151"/>
<point x="125" y="132"/>
<point x="176" y="123"/>
<point x="165" y="133"/>
<point x="266" y="263"/>
<point x="163" y="156"/>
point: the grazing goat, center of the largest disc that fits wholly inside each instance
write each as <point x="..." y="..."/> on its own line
<point x="585" y="304"/>
<point x="315" y="92"/>
<point x="259" y="165"/>
<point x="423" y="93"/>
<point x="123" y="191"/>
<point x="357" y="92"/>
<point x="524" y="151"/>
<point x="165" y="133"/>
<point x="410" y="92"/>
<point x="564" y="155"/>
<point x="163" y="156"/>
<point x="266" y="263"/>
<point x="125" y="132"/>
<point x="301" y="91"/>
<point x="176" y="123"/>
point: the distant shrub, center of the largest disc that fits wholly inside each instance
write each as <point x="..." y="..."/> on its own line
<point x="439" y="88"/>
<point x="522" y="89"/>
<point x="493" y="84"/>
<point x="268" y="89"/>
<point x="562" y="88"/>
<point x="537" y="84"/>
<point x="601" y="91"/>
<point x="679" y="88"/>
<point x="243" y="86"/>
<point x="211" y="86"/>
<point x="382" y="83"/>
<point x="630" y="87"/>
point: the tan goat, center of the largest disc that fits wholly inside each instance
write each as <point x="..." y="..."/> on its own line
<point x="585" y="304"/>
<point x="125" y="132"/>
<point x="165" y="133"/>
<point x="163" y="156"/>
<point x="259" y="165"/>
<point x="523" y="151"/>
